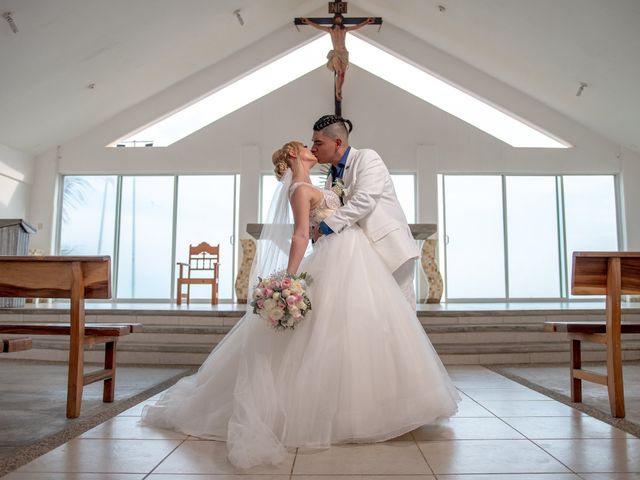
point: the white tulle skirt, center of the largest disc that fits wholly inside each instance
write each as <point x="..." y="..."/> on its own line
<point x="359" y="368"/>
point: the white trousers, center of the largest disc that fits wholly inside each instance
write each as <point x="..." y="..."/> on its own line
<point x="404" y="278"/>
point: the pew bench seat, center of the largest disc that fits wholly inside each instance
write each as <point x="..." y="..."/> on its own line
<point x="94" y="333"/>
<point x="90" y="329"/>
<point x="589" y="327"/>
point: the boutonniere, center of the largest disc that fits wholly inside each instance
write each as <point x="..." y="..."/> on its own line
<point x="338" y="187"/>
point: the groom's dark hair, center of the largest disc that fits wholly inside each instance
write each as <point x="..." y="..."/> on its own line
<point x="333" y="126"/>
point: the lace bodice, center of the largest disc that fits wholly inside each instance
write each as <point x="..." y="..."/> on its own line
<point x="329" y="204"/>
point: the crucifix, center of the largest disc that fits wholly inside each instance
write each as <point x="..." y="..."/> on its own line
<point x="338" y="58"/>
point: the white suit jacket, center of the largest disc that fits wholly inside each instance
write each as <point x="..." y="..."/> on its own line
<point x="371" y="202"/>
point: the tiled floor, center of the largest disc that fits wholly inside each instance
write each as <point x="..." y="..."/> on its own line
<point x="503" y="431"/>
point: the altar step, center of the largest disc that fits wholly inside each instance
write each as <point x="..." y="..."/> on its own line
<point x="180" y="338"/>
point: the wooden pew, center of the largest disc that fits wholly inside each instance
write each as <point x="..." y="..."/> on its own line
<point x="75" y="278"/>
<point x="601" y="273"/>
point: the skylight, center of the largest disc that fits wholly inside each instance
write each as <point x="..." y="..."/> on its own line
<point x="449" y="98"/>
<point x="312" y="55"/>
<point x="230" y="98"/>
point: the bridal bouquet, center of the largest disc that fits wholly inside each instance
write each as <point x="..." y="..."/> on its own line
<point x="281" y="299"/>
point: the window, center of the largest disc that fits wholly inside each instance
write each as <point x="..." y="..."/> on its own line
<point x="204" y="216"/>
<point x="146" y="226"/>
<point x="404" y="184"/>
<point x="532" y="237"/>
<point x="474" y="246"/>
<point x="405" y="187"/>
<point x="156" y="218"/>
<point x="590" y="214"/>
<point x="512" y="237"/>
<point x="88" y="215"/>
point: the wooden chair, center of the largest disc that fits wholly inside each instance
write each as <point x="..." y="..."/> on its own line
<point x="202" y="269"/>
<point x="601" y="273"/>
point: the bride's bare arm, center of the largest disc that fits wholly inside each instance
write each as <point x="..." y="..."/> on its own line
<point x="301" y="205"/>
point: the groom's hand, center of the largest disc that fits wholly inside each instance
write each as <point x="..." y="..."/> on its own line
<point x="316" y="234"/>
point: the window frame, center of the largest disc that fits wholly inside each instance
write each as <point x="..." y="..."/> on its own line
<point x="116" y="242"/>
<point x="564" y="275"/>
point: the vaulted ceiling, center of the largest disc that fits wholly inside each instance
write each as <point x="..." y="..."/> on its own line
<point x="75" y="63"/>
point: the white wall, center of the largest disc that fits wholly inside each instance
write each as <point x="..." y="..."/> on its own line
<point x="16" y="177"/>
<point x="409" y="134"/>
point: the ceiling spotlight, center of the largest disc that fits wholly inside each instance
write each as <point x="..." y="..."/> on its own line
<point x="238" y="16"/>
<point x="581" y="88"/>
<point x="7" y="16"/>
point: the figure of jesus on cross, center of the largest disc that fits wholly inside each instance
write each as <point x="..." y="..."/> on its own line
<point x="338" y="57"/>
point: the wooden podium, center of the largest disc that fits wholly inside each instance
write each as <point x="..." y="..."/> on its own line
<point x="602" y="273"/>
<point x="14" y="240"/>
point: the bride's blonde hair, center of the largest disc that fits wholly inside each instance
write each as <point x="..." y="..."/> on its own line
<point x="280" y="157"/>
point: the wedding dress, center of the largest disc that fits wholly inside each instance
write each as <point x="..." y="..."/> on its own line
<point x="358" y="368"/>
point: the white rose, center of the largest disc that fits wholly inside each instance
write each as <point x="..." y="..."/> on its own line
<point x="269" y="304"/>
<point x="276" y="314"/>
<point x="301" y="305"/>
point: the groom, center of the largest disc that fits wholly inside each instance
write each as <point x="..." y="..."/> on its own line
<point x="370" y="200"/>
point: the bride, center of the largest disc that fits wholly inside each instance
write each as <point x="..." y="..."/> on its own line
<point x="358" y="368"/>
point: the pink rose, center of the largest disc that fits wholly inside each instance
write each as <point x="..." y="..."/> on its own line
<point x="260" y="302"/>
<point x="275" y="284"/>
<point x="291" y="300"/>
<point x="268" y="292"/>
<point x="286" y="282"/>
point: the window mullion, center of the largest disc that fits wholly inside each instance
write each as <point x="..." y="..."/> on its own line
<point x="174" y="235"/>
<point x="562" y="237"/>
<point x="505" y="237"/>
<point x="116" y="235"/>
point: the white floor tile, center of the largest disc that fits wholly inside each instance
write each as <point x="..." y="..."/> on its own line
<point x="389" y="458"/>
<point x="74" y="476"/>
<point x="209" y="457"/>
<point x="174" y="476"/>
<point x="480" y="394"/>
<point x="470" y="408"/>
<point x="619" y="455"/>
<point x="489" y="456"/>
<point x="513" y="476"/>
<point x="130" y="428"/>
<point x="564" y="427"/>
<point x="529" y="408"/>
<point x="103" y="456"/>
<point x="467" y="429"/>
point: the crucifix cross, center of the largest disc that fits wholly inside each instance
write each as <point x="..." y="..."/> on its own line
<point x="338" y="58"/>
